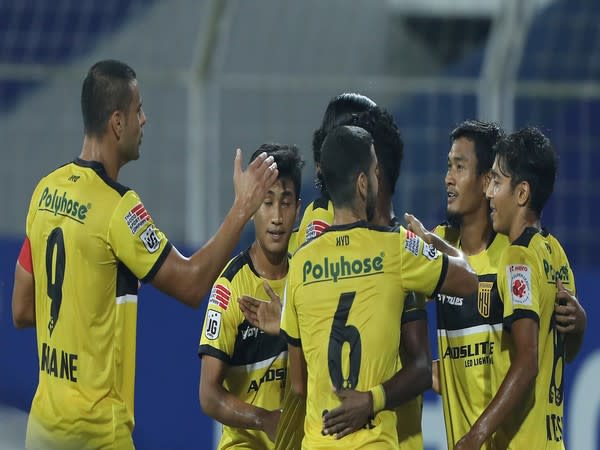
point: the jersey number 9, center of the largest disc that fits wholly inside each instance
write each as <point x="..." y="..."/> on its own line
<point x="55" y="273"/>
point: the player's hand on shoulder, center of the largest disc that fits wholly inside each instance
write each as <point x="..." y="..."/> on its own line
<point x="251" y="185"/>
<point x="262" y="314"/>
<point x="413" y="224"/>
<point x="353" y="414"/>
<point x="570" y="315"/>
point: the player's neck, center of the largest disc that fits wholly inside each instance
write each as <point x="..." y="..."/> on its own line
<point x="346" y="215"/>
<point x="475" y="232"/>
<point x="384" y="212"/>
<point x="270" y="266"/>
<point x="97" y="149"/>
<point x="523" y="219"/>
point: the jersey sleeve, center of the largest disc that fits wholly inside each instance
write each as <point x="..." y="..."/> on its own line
<point x="221" y="321"/>
<point x="289" y="327"/>
<point x="423" y="268"/>
<point x="318" y="216"/>
<point x="135" y="239"/>
<point x="414" y="308"/>
<point x="518" y="285"/>
<point x="25" y="259"/>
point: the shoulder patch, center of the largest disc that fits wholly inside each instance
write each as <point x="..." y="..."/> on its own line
<point x="412" y="242"/>
<point x="430" y="252"/>
<point x="213" y="324"/>
<point x="315" y="228"/>
<point x="136" y="217"/>
<point x="150" y="239"/>
<point x="519" y="283"/>
<point x="220" y="296"/>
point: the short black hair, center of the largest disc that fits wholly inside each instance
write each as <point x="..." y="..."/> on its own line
<point x="288" y="159"/>
<point x="388" y="143"/>
<point x="343" y="109"/>
<point x="485" y="135"/>
<point x="528" y="155"/>
<point x="106" y="89"/>
<point x="345" y="154"/>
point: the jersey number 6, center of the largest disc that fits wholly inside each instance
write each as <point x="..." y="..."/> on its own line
<point x="340" y="333"/>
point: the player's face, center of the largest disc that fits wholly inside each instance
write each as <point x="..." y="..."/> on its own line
<point x="131" y="139"/>
<point x="503" y="200"/>
<point x="275" y="218"/>
<point x="373" y="186"/>
<point x="465" y="189"/>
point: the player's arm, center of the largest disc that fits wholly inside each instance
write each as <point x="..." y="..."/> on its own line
<point x="413" y="379"/>
<point x="23" y="296"/>
<point x="297" y="370"/>
<point x="516" y="385"/>
<point x="221" y="405"/>
<point x="460" y="280"/>
<point x="435" y="376"/>
<point x="571" y="320"/>
<point x="189" y="279"/>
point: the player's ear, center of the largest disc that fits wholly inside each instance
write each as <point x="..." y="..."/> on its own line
<point x="362" y="185"/>
<point x="523" y="193"/>
<point x="116" y="123"/>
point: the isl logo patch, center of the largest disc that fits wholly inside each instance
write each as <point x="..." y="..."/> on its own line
<point x="519" y="283"/>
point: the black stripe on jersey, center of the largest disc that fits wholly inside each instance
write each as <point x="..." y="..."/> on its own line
<point x="127" y="282"/>
<point x="520" y="314"/>
<point x="214" y="352"/>
<point x="362" y="224"/>
<point x="454" y="316"/>
<point x="101" y="172"/>
<point x="237" y="264"/>
<point x="290" y="340"/>
<point x="526" y="237"/>
<point x="413" y="316"/>
<point x="158" y="264"/>
<point x="252" y="345"/>
<point x="321" y="202"/>
<point x="442" y="275"/>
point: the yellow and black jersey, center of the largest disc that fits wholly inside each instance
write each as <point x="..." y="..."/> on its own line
<point x="318" y="215"/>
<point x="257" y="362"/>
<point x="343" y="289"/>
<point x="470" y="341"/>
<point x="409" y="414"/>
<point x="91" y="241"/>
<point x="290" y="429"/>
<point x="527" y="275"/>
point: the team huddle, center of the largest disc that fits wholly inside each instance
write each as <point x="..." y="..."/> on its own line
<point x="314" y="337"/>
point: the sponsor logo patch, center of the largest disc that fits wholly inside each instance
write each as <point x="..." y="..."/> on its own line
<point x="220" y="296"/>
<point x="213" y="324"/>
<point x="519" y="279"/>
<point x="315" y="228"/>
<point x="150" y="239"/>
<point x="136" y="217"/>
<point x="412" y="243"/>
<point x="430" y="252"/>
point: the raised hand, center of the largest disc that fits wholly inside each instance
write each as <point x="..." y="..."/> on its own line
<point x="252" y="185"/>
